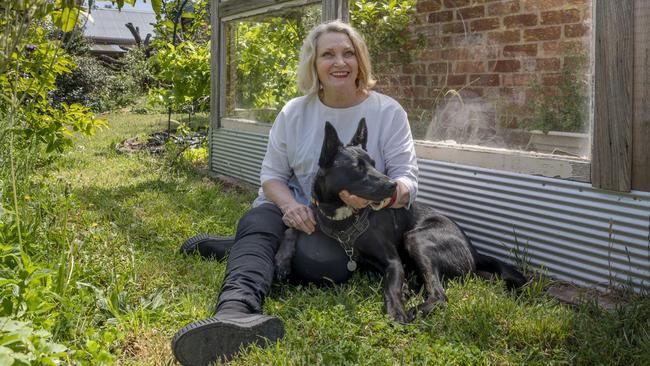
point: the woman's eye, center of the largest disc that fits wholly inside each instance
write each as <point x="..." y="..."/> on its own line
<point x="348" y="54"/>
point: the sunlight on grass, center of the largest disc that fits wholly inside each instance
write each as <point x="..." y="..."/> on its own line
<point x="128" y="215"/>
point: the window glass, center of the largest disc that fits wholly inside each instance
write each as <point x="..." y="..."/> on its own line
<point x="512" y="74"/>
<point x="261" y="61"/>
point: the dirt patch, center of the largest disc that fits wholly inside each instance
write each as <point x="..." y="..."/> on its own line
<point x="155" y="142"/>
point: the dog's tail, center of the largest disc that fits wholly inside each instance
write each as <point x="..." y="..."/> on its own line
<point x="509" y="273"/>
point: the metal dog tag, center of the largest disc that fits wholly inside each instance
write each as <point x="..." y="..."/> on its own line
<point x="352" y="265"/>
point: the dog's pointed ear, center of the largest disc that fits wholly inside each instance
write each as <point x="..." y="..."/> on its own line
<point x="331" y="145"/>
<point x="361" y="136"/>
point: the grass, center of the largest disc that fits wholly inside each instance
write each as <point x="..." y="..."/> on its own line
<point x="116" y="222"/>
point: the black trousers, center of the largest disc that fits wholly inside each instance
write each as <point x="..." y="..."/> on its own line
<point x="250" y="269"/>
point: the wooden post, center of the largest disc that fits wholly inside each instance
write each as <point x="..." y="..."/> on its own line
<point x="335" y="9"/>
<point x="641" y="125"/>
<point x="613" y="96"/>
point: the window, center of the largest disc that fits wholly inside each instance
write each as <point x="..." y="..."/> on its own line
<point x="502" y="76"/>
<point x="261" y="61"/>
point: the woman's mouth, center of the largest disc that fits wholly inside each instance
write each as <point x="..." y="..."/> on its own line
<point x="340" y="74"/>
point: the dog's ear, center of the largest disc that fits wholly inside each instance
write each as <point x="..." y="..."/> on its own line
<point x="361" y="136"/>
<point x="331" y="145"/>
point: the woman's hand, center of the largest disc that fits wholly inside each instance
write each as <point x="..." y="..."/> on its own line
<point x="299" y="217"/>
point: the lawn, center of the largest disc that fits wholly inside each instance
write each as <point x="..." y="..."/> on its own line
<point x="116" y="221"/>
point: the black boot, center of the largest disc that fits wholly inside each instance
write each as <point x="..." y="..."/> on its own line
<point x="208" y="246"/>
<point x="220" y="337"/>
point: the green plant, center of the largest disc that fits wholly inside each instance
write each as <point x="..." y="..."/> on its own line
<point x="564" y="107"/>
<point x="183" y="74"/>
<point x="382" y="23"/>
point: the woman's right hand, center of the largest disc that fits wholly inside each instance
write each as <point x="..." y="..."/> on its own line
<point x="299" y="217"/>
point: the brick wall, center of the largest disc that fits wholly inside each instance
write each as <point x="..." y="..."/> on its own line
<point x="488" y="49"/>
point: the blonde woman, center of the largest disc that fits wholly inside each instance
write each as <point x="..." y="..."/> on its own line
<point x="335" y="76"/>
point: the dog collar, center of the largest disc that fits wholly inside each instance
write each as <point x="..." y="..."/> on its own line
<point x="346" y="238"/>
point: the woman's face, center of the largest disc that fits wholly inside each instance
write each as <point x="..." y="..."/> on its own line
<point x="336" y="61"/>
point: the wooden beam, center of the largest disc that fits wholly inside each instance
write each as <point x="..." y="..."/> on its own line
<point x="336" y="9"/>
<point x="231" y="9"/>
<point x="215" y="52"/>
<point x="641" y="125"/>
<point x="613" y="96"/>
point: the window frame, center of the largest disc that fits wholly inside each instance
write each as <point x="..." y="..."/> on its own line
<point x="620" y="103"/>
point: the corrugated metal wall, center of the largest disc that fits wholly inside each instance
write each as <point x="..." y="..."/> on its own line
<point x="238" y="154"/>
<point x="567" y="229"/>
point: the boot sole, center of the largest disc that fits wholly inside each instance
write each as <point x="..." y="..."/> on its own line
<point x="208" y="340"/>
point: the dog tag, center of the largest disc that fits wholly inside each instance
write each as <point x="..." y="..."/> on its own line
<point x="352" y="265"/>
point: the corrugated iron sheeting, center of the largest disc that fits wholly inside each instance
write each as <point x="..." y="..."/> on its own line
<point x="567" y="229"/>
<point x="238" y="154"/>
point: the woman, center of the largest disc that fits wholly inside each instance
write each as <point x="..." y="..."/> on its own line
<point x="335" y="75"/>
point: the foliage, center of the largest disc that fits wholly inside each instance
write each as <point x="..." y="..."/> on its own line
<point x="183" y="72"/>
<point x="183" y="20"/>
<point x="266" y="54"/>
<point x="84" y="85"/>
<point x="382" y="23"/>
<point x="562" y="108"/>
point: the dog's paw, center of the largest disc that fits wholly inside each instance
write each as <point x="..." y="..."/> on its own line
<point x="282" y="271"/>
<point x="411" y="314"/>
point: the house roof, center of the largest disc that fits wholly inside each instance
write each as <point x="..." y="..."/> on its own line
<point x="108" y="25"/>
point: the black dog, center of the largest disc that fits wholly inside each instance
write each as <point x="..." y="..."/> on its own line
<point x="419" y="237"/>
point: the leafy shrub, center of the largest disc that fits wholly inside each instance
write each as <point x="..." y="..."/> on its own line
<point x="84" y="85"/>
<point x="564" y="107"/>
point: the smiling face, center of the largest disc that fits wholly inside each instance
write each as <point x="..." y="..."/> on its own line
<point x="336" y="62"/>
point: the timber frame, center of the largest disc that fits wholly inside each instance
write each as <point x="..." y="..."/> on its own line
<point x="620" y="108"/>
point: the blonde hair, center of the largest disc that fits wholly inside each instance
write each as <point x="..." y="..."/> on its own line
<point x="307" y="78"/>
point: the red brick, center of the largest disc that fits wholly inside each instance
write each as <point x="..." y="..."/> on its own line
<point x="561" y="48"/>
<point x="472" y="92"/>
<point x="439" y="42"/>
<point x="421" y="80"/>
<point x="470" y="13"/>
<point x="429" y="55"/>
<point x="456" y="80"/>
<point x="547" y="64"/>
<point x="424" y="6"/>
<point x="518" y="79"/>
<point x="456" y="3"/>
<point x="504" y="66"/>
<point x="520" y="50"/>
<point x="481" y="25"/>
<point x="441" y="16"/>
<point x="458" y="27"/>
<point x="484" y="80"/>
<point x="575" y="62"/>
<point x="533" y="5"/>
<point x="542" y="34"/>
<point x="517" y="21"/>
<point x="438" y="68"/>
<point x="455" y="54"/>
<point x="469" y="67"/>
<point x="503" y="8"/>
<point x="413" y="69"/>
<point x="512" y="36"/>
<point x="551" y="79"/>
<point x="560" y="16"/>
<point x="576" y="30"/>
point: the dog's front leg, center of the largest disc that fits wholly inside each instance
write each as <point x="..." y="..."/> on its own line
<point x="285" y="254"/>
<point x="393" y="285"/>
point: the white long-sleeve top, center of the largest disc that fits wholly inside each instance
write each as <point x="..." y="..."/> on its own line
<point x="296" y="139"/>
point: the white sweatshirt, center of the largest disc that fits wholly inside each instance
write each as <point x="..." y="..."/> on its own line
<point x="296" y="139"/>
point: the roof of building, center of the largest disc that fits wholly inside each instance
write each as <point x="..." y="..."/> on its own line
<point x="109" y="24"/>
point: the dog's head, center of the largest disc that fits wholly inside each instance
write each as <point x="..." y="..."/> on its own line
<point x="349" y="167"/>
